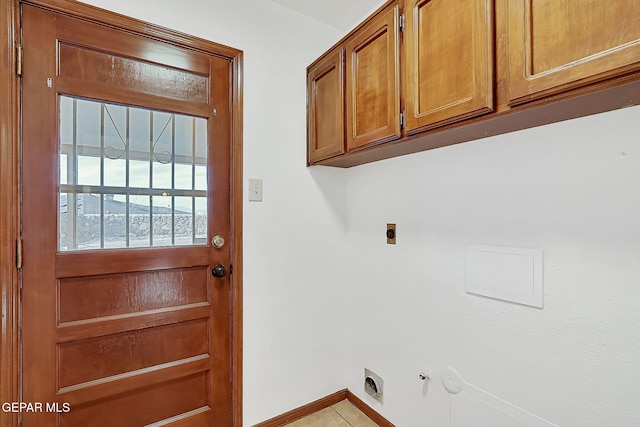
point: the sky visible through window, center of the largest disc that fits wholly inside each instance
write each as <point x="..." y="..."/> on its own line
<point x="128" y="158"/>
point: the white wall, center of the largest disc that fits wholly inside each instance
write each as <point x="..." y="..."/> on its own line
<point x="294" y="339"/>
<point x="570" y="189"/>
<point x="326" y="297"/>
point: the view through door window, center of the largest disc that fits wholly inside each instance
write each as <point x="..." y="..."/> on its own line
<point x="130" y="177"/>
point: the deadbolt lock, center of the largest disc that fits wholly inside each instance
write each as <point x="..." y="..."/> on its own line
<point x="218" y="270"/>
<point x="217" y="241"/>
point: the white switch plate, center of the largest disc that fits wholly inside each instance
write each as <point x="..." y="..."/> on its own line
<point x="255" y="190"/>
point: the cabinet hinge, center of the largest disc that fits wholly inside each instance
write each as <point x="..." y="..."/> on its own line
<point x="19" y="60"/>
<point x="402" y="120"/>
<point x="19" y="253"/>
<point x="402" y="23"/>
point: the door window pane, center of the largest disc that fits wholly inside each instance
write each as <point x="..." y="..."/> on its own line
<point x="201" y="219"/>
<point x="114" y="145"/>
<point x="130" y="177"/>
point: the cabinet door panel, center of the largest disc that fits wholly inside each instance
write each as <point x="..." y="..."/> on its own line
<point x="373" y="82"/>
<point x="448" y="61"/>
<point x="325" y="83"/>
<point x="556" y="45"/>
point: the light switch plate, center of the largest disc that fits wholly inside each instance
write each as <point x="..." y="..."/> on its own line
<point x="255" y="190"/>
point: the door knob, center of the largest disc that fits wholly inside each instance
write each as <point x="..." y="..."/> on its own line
<point x="218" y="270"/>
<point x="218" y="241"/>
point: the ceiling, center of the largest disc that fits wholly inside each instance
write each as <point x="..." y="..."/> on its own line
<point x="340" y="14"/>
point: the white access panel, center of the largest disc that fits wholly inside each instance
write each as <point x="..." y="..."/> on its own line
<point x="505" y="273"/>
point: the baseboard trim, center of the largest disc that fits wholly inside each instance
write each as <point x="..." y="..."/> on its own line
<point x="323" y="403"/>
<point x="368" y="410"/>
<point x="305" y="410"/>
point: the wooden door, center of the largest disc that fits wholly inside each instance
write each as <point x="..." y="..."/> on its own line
<point x="325" y="117"/>
<point x="448" y="62"/>
<point x="373" y="81"/>
<point x="557" y="45"/>
<point x="126" y="175"/>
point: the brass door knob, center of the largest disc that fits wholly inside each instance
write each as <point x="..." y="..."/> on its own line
<point x="217" y="241"/>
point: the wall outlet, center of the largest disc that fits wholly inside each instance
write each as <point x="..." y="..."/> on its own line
<point x="391" y="234"/>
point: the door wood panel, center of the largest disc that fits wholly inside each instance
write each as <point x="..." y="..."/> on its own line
<point x="86" y="298"/>
<point x="325" y="82"/>
<point x="125" y="336"/>
<point x="373" y="82"/>
<point x="100" y="390"/>
<point x="90" y="359"/>
<point x="105" y="67"/>
<point x="133" y="408"/>
<point x="557" y="45"/>
<point x="448" y="63"/>
<point x="116" y="94"/>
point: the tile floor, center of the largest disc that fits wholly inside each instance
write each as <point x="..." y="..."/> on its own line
<point x="342" y="414"/>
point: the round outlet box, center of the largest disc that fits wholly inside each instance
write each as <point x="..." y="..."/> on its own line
<point x="451" y="381"/>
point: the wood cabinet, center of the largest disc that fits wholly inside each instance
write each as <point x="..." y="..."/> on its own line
<point x="460" y="70"/>
<point x="373" y="81"/>
<point x="325" y="99"/>
<point x="557" y="45"/>
<point x="448" y="61"/>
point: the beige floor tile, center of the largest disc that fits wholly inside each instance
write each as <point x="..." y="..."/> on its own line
<point x="324" y="418"/>
<point x="353" y="415"/>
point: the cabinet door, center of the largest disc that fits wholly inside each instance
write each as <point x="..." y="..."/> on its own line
<point x="556" y="45"/>
<point x="373" y="82"/>
<point x="448" y="61"/>
<point x="325" y="115"/>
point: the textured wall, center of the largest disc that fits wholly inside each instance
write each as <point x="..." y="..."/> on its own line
<point x="570" y="189"/>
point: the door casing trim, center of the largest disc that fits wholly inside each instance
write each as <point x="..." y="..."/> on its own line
<point x="10" y="185"/>
<point x="9" y="209"/>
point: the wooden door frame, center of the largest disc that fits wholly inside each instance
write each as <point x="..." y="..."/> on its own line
<point x="10" y="186"/>
<point x="9" y="224"/>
